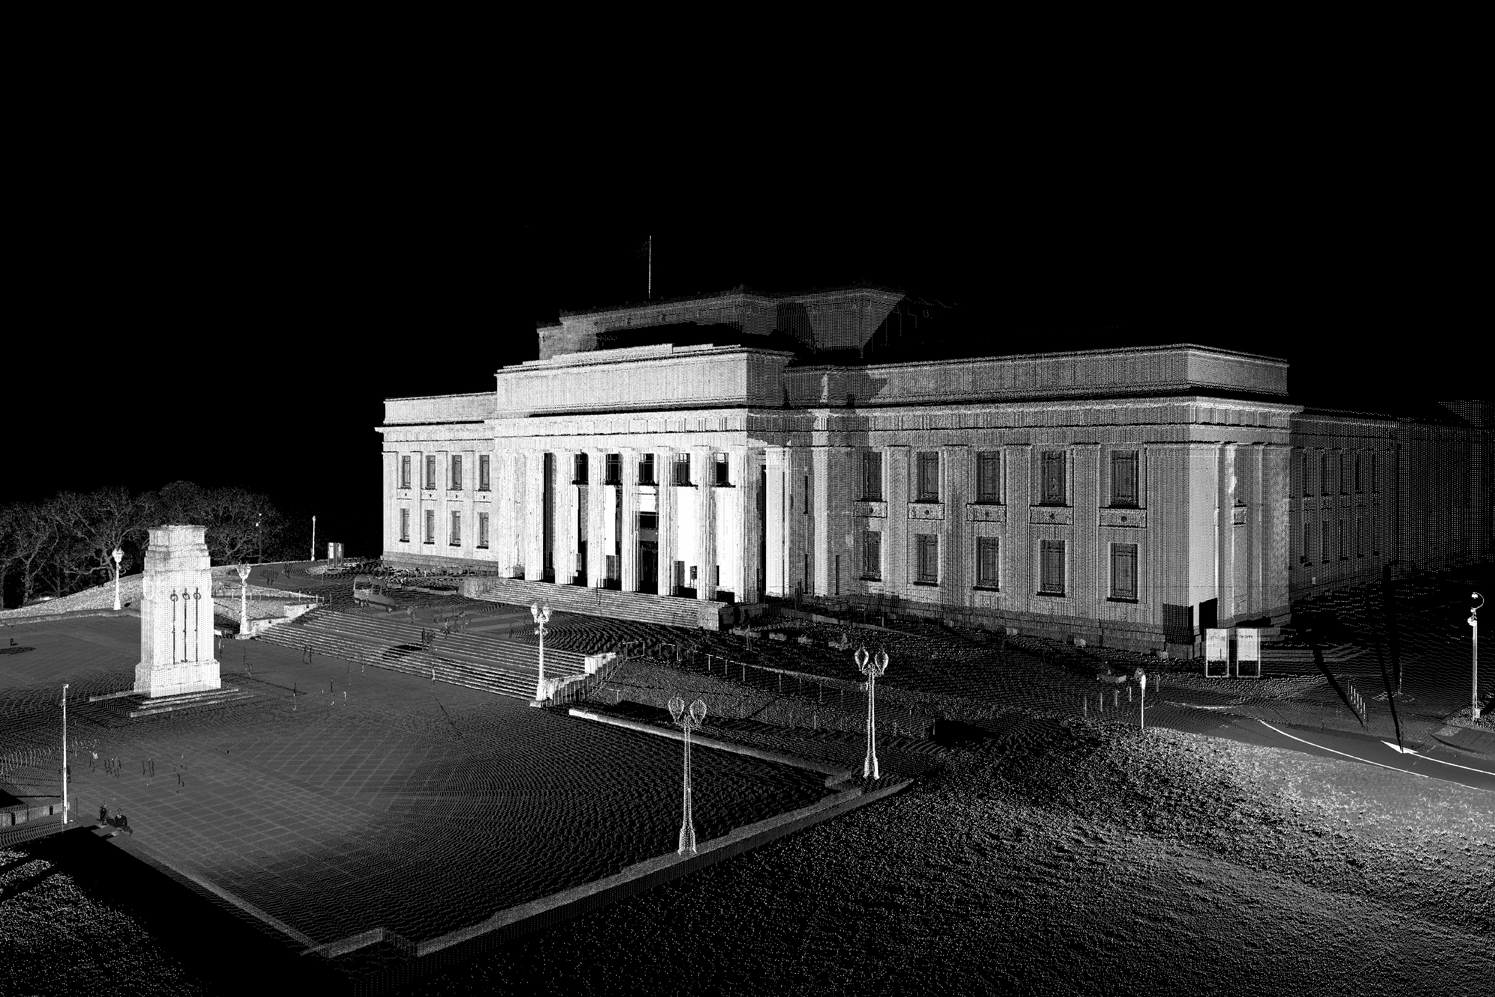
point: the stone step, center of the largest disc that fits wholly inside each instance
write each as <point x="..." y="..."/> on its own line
<point x="158" y="707"/>
<point x="482" y="650"/>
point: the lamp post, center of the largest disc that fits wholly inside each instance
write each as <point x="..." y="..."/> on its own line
<point x="314" y="538"/>
<point x="1474" y="676"/>
<point x="1142" y="681"/>
<point x="243" y="571"/>
<point x="542" y="617"/>
<point x="688" y="720"/>
<point x="64" y="754"/>
<point x="259" y="535"/>
<point x="119" y="556"/>
<point x="871" y="666"/>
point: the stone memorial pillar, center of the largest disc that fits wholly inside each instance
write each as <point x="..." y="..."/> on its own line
<point x="176" y="615"/>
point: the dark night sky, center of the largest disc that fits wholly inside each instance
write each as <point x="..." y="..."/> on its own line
<point x="276" y="284"/>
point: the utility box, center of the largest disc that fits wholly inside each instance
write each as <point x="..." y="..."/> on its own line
<point x="334" y="552"/>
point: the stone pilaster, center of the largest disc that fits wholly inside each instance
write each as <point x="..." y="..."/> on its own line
<point x="820" y="520"/>
<point x="567" y="541"/>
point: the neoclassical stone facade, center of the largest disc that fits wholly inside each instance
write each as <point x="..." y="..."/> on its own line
<point x="1130" y="497"/>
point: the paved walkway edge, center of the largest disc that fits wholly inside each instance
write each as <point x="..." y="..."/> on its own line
<point x="509" y="924"/>
<point x="838" y="775"/>
<point x="200" y="885"/>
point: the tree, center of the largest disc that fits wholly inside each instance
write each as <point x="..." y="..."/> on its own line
<point x="29" y="544"/>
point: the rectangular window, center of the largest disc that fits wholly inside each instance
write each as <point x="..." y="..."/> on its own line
<point x="1307" y="552"/>
<point x="1373" y="487"/>
<point x="1051" y="570"/>
<point x="1326" y="536"/>
<point x="405" y="472"/>
<point x="872" y="556"/>
<point x="927" y="559"/>
<point x="1052" y="492"/>
<point x="929" y="477"/>
<point x="483" y="530"/>
<point x="484" y="479"/>
<point x="872" y="476"/>
<point x="1124" y="571"/>
<point x="722" y="479"/>
<point x="1359" y="474"/>
<point x="986" y="562"/>
<point x="1124" y="478"/>
<point x="455" y="539"/>
<point x="404" y="526"/>
<point x="430" y="526"/>
<point x="430" y="474"/>
<point x="648" y="521"/>
<point x="1303" y="473"/>
<point x="989" y="477"/>
<point x="1360" y="538"/>
<point x="646" y="470"/>
<point x="614" y="469"/>
<point x="682" y="469"/>
<point x="1344" y="539"/>
<point x="1344" y="475"/>
<point x="456" y="482"/>
<point x="1324" y="473"/>
<point x="579" y="469"/>
<point x="1375" y="536"/>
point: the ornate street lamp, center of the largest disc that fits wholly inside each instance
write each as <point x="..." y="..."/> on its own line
<point x="1474" y="677"/>
<point x="243" y="570"/>
<point x="64" y="754"/>
<point x="688" y="721"/>
<point x="542" y="617"/>
<point x="119" y="556"/>
<point x="871" y="666"/>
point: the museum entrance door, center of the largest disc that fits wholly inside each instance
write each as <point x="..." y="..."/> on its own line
<point x="648" y="566"/>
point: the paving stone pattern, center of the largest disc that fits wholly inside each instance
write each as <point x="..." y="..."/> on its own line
<point x="415" y="806"/>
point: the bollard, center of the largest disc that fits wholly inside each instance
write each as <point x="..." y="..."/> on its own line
<point x="1128" y="694"/>
<point x="1115" y="698"/>
<point x="1085" y="708"/>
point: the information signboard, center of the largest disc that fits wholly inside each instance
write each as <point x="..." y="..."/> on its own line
<point x="1216" y="653"/>
<point x="1248" y="653"/>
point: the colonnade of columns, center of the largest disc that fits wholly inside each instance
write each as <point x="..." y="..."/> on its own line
<point x="579" y="513"/>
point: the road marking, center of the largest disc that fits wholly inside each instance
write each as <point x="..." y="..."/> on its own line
<point x="1409" y="751"/>
<point x="1344" y="753"/>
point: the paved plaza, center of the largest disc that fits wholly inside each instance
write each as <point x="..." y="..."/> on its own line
<point x="344" y="798"/>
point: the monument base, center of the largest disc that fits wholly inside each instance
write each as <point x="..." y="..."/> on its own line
<point x="172" y="680"/>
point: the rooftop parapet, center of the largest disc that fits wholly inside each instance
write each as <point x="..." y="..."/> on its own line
<point x="435" y="409"/>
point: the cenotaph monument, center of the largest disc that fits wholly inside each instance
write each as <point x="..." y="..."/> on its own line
<point x="176" y="615"/>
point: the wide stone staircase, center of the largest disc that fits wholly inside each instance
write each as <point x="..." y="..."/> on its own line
<point x="644" y="607"/>
<point x="487" y="664"/>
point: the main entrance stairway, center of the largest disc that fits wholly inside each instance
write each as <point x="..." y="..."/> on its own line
<point x="488" y="664"/>
<point x="645" y="607"/>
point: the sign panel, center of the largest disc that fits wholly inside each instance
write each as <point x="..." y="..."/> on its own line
<point x="1248" y="653"/>
<point x="1216" y="653"/>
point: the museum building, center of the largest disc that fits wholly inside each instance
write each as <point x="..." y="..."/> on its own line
<point x="702" y="456"/>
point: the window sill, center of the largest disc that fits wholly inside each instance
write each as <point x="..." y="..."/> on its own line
<point x="1052" y="505"/>
<point x="926" y="501"/>
<point x="579" y="481"/>
<point x="870" y="498"/>
<point x="1124" y="505"/>
<point x="482" y="546"/>
<point x="985" y="588"/>
<point x="1051" y="595"/>
<point x="870" y="578"/>
<point x="1117" y="598"/>
<point x="724" y="484"/>
<point x="929" y="585"/>
<point x="986" y="501"/>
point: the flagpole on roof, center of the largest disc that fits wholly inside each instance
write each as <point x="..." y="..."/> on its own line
<point x="650" y="292"/>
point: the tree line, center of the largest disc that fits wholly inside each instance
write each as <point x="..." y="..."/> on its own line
<point x="65" y="544"/>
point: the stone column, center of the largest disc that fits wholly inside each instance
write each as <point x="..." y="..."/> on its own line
<point x="534" y="515"/>
<point x="664" y="473"/>
<point x="596" y="517"/>
<point x="1225" y="588"/>
<point x="898" y="573"/>
<point x="776" y="526"/>
<point x="628" y="538"/>
<point x="820" y="521"/>
<point x="700" y="457"/>
<point x="745" y="464"/>
<point x="566" y="539"/>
